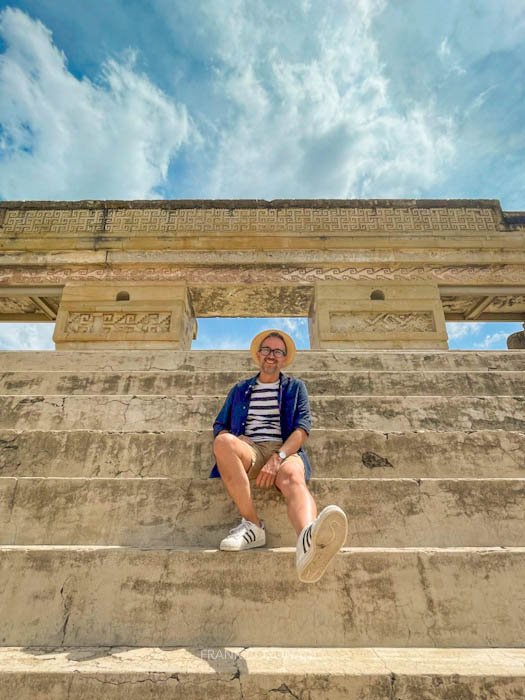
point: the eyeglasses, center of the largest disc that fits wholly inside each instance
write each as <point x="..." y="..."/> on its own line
<point x="265" y="350"/>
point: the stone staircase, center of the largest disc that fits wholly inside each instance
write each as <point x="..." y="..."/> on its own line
<point x="111" y="584"/>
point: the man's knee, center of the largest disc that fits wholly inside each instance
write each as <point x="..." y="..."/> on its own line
<point x="225" y="442"/>
<point x="291" y="475"/>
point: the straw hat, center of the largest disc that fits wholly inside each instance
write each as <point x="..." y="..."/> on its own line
<point x="290" y="345"/>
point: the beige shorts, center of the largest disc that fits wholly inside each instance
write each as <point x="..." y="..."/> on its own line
<point x="261" y="453"/>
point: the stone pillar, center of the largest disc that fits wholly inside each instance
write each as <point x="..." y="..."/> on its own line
<point x="386" y="315"/>
<point x="131" y="315"/>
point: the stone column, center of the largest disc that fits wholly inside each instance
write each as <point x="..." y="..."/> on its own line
<point x="131" y="315"/>
<point x="386" y="315"/>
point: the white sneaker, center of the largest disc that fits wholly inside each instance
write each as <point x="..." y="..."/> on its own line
<point x="245" y="536"/>
<point x="319" y="542"/>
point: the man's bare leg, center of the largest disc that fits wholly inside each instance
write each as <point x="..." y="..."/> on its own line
<point x="302" y="509"/>
<point x="234" y="458"/>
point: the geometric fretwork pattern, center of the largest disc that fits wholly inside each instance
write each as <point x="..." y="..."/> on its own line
<point x="110" y="322"/>
<point x="223" y="220"/>
<point x="384" y="322"/>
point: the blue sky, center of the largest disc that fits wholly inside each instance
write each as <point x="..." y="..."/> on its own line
<point x="270" y="99"/>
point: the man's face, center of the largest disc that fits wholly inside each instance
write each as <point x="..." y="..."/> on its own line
<point x="270" y="364"/>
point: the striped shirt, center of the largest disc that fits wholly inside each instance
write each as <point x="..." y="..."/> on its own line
<point x="263" y="421"/>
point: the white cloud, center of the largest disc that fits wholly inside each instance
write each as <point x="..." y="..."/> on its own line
<point x="458" y="330"/>
<point x="26" y="336"/>
<point x="444" y="48"/>
<point x="314" y="118"/>
<point x="61" y="137"/>
<point x="494" y="341"/>
<point x="298" y="326"/>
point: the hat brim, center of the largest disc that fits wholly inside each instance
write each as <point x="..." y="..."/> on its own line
<point x="290" y="345"/>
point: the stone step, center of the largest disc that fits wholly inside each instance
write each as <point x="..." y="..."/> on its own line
<point x="367" y="383"/>
<point x="260" y="673"/>
<point x="240" y="360"/>
<point x="185" y="512"/>
<point x="108" y="596"/>
<point x="384" y="413"/>
<point x="333" y="453"/>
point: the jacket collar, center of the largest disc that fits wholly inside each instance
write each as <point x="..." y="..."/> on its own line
<point x="283" y="380"/>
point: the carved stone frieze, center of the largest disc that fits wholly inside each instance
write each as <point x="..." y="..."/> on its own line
<point x="458" y="305"/>
<point x="52" y="221"/>
<point x="385" y="322"/>
<point x="516" y="303"/>
<point x="107" y="323"/>
<point x="18" y="305"/>
<point x="260" y="274"/>
<point x="252" y="300"/>
<point x="293" y="219"/>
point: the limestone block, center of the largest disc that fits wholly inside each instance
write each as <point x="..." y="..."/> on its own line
<point x="181" y="512"/>
<point x="380" y="413"/>
<point x="385" y="315"/>
<point x="71" y="595"/>
<point x="335" y="453"/>
<point x="242" y="363"/>
<point x="323" y="383"/>
<point x="248" y="300"/>
<point x="128" y="315"/>
<point x="260" y="673"/>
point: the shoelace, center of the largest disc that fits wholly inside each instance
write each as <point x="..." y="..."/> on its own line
<point x="239" y="528"/>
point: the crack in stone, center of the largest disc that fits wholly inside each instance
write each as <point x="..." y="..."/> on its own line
<point x="67" y="602"/>
<point x="393" y="679"/>
<point x="425" y="585"/>
<point x="136" y="681"/>
<point x="284" y="690"/>
<point x="12" y="501"/>
<point x="237" y="674"/>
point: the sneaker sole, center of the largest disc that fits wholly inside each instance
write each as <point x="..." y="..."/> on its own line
<point x="241" y="549"/>
<point x="327" y="539"/>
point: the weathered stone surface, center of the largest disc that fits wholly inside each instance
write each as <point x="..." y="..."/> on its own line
<point x="391" y="315"/>
<point x="123" y="673"/>
<point x="367" y="383"/>
<point x="86" y="596"/>
<point x="248" y="257"/>
<point x="333" y="453"/>
<point x="516" y="341"/>
<point x="183" y="512"/>
<point x="385" y="414"/>
<point x="104" y="315"/>
<point x="240" y="360"/>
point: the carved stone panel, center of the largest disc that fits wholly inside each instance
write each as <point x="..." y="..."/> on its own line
<point x="232" y="220"/>
<point x="126" y="315"/>
<point x="250" y="300"/>
<point x="116" y="323"/>
<point x="18" y="305"/>
<point x="388" y="315"/>
<point x="516" y="303"/>
<point x="384" y="323"/>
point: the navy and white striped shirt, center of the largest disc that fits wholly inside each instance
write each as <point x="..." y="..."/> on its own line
<point x="263" y="419"/>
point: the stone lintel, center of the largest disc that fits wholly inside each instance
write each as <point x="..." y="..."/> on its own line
<point x="125" y="315"/>
<point x="252" y="204"/>
<point x="385" y="315"/>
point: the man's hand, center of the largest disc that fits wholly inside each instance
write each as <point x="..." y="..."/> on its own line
<point x="268" y="473"/>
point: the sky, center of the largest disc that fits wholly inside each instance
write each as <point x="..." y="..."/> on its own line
<point x="152" y="99"/>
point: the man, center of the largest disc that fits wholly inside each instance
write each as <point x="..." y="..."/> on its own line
<point x="259" y="435"/>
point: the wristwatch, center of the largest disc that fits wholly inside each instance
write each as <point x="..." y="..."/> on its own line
<point x="282" y="454"/>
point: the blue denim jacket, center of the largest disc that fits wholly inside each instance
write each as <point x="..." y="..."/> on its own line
<point x="293" y="403"/>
